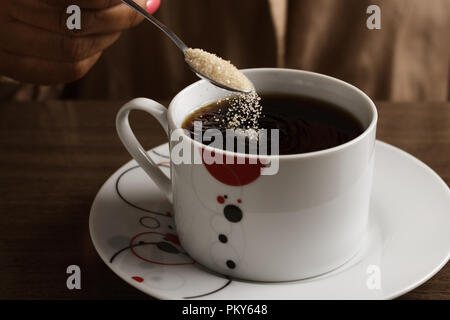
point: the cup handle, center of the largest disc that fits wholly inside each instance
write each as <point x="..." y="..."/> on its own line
<point x="133" y="146"/>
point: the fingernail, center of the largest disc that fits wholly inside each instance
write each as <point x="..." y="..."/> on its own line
<point x="152" y="6"/>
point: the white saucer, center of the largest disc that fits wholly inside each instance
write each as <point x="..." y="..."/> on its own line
<point x="407" y="243"/>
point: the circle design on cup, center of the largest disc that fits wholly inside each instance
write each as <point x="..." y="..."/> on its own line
<point x="234" y="174"/>
<point x="224" y="256"/>
<point x="233" y="213"/>
<point x="223" y="238"/>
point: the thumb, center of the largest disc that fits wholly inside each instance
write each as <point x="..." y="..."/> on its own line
<point x="152" y="6"/>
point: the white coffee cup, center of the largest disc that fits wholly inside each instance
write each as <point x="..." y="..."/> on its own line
<point x="304" y="221"/>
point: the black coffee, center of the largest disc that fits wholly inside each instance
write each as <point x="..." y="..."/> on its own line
<point x="305" y="124"/>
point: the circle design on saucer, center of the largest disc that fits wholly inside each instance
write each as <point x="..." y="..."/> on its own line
<point x="171" y="251"/>
<point x="158" y="248"/>
<point x="150" y="222"/>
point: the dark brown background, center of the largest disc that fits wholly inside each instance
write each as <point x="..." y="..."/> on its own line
<point x="406" y="60"/>
<point x="55" y="156"/>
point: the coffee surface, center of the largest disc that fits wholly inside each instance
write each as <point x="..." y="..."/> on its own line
<point x="305" y="124"/>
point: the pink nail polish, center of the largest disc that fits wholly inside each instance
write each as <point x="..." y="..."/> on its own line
<point x="152" y="6"/>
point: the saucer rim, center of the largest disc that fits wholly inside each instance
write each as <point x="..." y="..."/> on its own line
<point x="447" y="188"/>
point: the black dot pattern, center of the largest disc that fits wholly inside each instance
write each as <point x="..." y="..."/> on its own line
<point x="232" y="213"/>
<point x="223" y="238"/>
<point x="231" y="264"/>
<point x="167" y="247"/>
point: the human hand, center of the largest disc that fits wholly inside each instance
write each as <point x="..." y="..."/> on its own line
<point x="37" y="47"/>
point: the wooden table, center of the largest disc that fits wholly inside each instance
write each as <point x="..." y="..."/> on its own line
<point x="55" y="156"/>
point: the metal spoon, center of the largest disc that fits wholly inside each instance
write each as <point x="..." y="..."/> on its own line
<point x="180" y="44"/>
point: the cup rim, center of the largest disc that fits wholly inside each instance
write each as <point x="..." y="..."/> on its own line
<point x="296" y="156"/>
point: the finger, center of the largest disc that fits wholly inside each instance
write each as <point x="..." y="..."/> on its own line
<point x="152" y="6"/>
<point x="44" y="72"/>
<point x="22" y="39"/>
<point x="113" y="19"/>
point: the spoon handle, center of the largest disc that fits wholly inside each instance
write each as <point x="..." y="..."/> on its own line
<point x="180" y="44"/>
